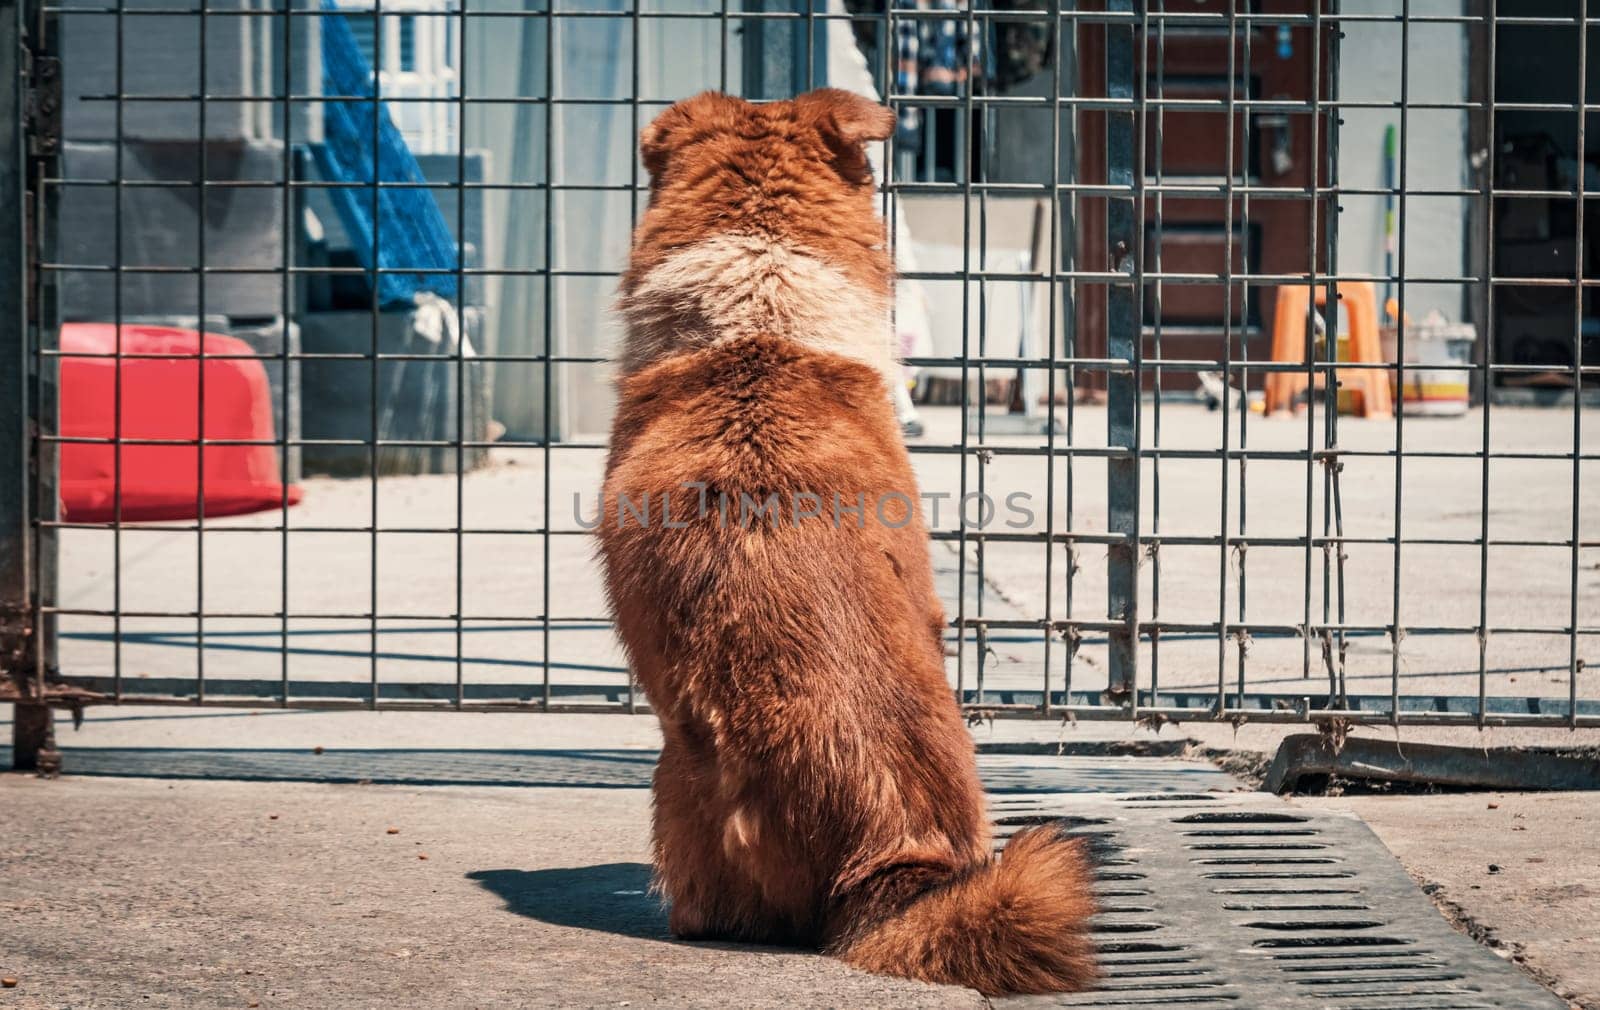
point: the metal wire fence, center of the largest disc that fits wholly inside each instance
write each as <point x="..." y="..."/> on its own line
<point x="1172" y="284"/>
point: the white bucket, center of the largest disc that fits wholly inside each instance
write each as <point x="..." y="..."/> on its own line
<point x="1434" y="390"/>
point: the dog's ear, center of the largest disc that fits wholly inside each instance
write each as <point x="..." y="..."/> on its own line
<point x="847" y="122"/>
<point x="847" y="118"/>
<point x="682" y="124"/>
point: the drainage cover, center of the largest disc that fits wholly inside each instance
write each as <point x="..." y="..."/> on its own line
<point x="1219" y="899"/>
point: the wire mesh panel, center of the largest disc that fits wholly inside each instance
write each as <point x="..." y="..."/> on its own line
<point x="1250" y="346"/>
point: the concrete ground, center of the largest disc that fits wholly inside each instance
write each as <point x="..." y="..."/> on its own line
<point x="1515" y="871"/>
<point x="143" y="892"/>
<point x="153" y="876"/>
<point x="325" y="571"/>
<point x="184" y="892"/>
<point x="173" y="883"/>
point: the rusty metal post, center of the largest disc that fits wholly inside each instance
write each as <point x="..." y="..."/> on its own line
<point x="25" y="105"/>
<point x="16" y="606"/>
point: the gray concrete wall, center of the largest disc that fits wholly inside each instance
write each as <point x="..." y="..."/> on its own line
<point x="1435" y="230"/>
<point x="593" y="145"/>
<point x="160" y="55"/>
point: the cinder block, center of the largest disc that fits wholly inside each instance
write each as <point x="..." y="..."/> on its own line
<point x="161" y="60"/>
<point x="415" y="398"/>
<point x="161" y="228"/>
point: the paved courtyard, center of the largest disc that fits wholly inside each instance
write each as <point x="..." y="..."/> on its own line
<point x="324" y="569"/>
<point x="434" y="859"/>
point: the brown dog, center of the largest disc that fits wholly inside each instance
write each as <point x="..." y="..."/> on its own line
<point x="770" y="577"/>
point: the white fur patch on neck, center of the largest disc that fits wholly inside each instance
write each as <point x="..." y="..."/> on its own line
<point x="733" y="286"/>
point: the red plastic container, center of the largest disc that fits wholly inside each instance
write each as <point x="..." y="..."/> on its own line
<point x="160" y="400"/>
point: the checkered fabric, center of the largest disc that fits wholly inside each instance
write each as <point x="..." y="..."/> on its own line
<point x="933" y="56"/>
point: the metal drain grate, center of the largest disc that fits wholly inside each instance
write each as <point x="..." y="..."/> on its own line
<point x="1236" y="899"/>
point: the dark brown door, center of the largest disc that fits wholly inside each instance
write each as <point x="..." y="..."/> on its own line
<point x="1188" y="144"/>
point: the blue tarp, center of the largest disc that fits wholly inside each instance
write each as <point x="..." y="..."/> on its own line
<point x="412" y="233"/>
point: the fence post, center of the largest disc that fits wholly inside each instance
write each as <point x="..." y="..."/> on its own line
<point x="21" y="669"/>
<point x="1122" y="378"/>
<point x="16" y="604"/>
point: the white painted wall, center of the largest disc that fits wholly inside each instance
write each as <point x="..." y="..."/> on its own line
<point x="1435" y="230"/>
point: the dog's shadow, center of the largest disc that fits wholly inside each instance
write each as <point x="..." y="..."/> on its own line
<point x="609" y="898"/>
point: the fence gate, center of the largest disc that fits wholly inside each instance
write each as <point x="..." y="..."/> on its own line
<point x="305" y="390"/>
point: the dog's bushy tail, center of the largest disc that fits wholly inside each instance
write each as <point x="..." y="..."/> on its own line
<point x="1019" y="924"/>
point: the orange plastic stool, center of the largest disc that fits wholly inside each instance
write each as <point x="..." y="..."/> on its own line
<point x="1359" y="299"/>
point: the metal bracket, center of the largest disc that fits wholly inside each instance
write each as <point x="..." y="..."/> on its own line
<point x="15" y="634"/>
<point x="33" y="737"/>
<point x="44" y="106"/>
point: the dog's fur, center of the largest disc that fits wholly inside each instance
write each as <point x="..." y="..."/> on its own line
<point x="816" y="784"/>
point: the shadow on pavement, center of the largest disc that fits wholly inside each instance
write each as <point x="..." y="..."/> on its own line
<point x="592" y="768"/>
<point x="609" y="898"/>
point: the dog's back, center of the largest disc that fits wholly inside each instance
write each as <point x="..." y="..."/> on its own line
<point x="769" y="574"/>
<point x="795" y="664"/>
